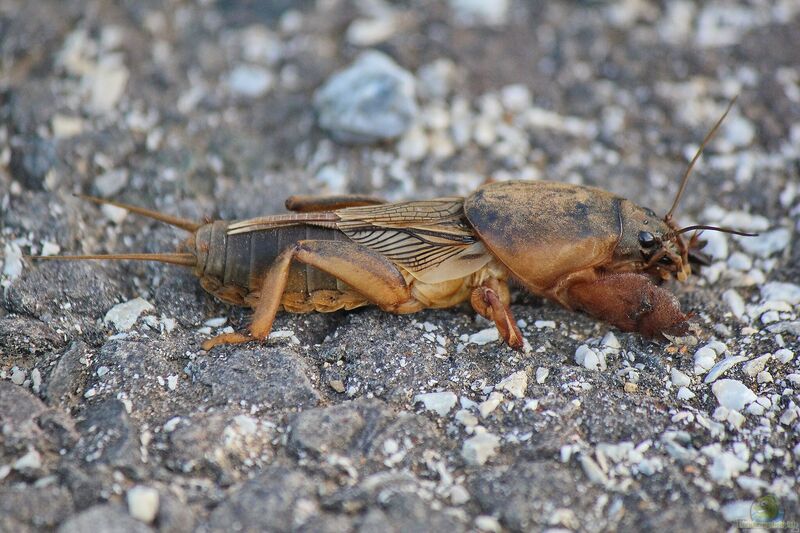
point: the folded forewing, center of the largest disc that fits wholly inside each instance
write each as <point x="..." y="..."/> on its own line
<point x="430" y="239"/>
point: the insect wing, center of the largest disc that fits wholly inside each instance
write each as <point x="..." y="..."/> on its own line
<point x="430" y="239"/>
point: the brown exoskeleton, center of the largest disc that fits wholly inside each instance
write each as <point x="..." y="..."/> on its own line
<point x="582" y="247"/>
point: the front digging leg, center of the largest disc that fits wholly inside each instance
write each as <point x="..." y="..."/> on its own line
<point x="631" y="302"/>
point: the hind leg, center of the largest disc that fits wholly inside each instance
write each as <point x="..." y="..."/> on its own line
<point x="310" y="204"/>
<point x="366" y="271"/>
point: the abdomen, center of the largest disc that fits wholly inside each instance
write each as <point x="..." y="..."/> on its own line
<point x="234" y="266"/>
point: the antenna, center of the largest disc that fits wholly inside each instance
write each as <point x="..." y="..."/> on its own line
<point x="708" y="137"/>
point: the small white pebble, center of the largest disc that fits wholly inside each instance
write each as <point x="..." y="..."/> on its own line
<point x="390" y="447"/>
<point x="754" y="366"/>
<point x="18" y="376"/>
<point x="770" y="317"/>
<point x="487" y="407"/>
<point x="485" y="336"/>
<point x="735" y="303"/>
<point x="478" y="449"/>
<point x="610" y="341"/>
<point x="36" y="380"/>
<point x="737" y="511"/>
<point x="49" y="248"/>
<point x="459" y="495"/>
<point x="540" y="324"/>
<point x="516" y="98"/>
<point x="590" y="358"/>
<point x="784" y="355"/>
<point x="679" y="379"/>
<point x="704" y="359"/>
<point x="723" y="366"/>
<point x="172" y="382"/>
<point x="439" y="402"/>
<point x="531" y="405"/>
<point x="13" y="265"/>
<point x="30" y="461"/>
<point x="685" y="394"/>
<point x="488" y="523"/>
<point x="733" y="394"/>
<point x="143" y="503"/>
<point x="764" y="377"/>
<point x="216" y="322"/>
<point x="465" y="418"/>
<point x="789" y="416"/>
<point x="171" y="424"/>
<point x="756" y="409"/>
<point x="541" y="374"/>
<point x="740" y="261"/>
<point x="593" y="470"/>
<point x="516" y="384"/>
<point x="123" y="316"/>
<point x="786" y="292"/>
<point x="413" y="146"/>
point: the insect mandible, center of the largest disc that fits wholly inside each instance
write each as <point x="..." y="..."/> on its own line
<point x="582" y="247"/>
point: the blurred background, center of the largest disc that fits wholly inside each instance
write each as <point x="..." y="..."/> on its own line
<point x="233" y="105"/>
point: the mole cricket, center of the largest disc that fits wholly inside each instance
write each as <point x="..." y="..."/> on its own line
<point x="585" y="248"/>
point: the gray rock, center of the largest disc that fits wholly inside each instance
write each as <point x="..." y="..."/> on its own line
<point x="35" y="507"/>
<point x="682" y="517"/>
<point x="279" y="499"/>
<point x="106" y="518"/>
<point x="767" y="243"/>
<point x="67" y="379"/>
<point x="216" y="445"/>
<point x="19" y="410"/>
<point x="108" y="438"/>
<point x="144" y="375"/>
<point x="259" y="376"/>
<point x="40" y="292"/>
<point x="111" y="182"/>
<point x="612" y="423"/>
<point x="174" y="516"/>
<point x="31" y="160"/>
<point x="182" y="297"/>
<point x="22" y="335"/>
<point x="524" y="494"/>
<point x="369" y="101"/>
<point x="407" y="511"/>
<point x="326" y="430"/>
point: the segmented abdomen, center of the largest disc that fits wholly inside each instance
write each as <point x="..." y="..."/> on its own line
<point x="240" y="260"/>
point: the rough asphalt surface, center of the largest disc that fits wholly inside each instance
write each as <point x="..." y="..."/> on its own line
<point x="113" y="419"/>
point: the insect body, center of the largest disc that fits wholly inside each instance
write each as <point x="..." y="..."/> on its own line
<point x="582" y="247"/>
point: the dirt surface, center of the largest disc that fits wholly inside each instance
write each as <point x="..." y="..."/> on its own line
<point x="121" y="422"/>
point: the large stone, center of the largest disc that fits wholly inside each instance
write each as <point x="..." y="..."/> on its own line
<point x="263" y="376"/>
<point x="371" y="100"/>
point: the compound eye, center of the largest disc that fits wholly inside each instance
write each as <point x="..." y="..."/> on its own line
<point x="646" y="239"/>
<point x="665" y="260"/>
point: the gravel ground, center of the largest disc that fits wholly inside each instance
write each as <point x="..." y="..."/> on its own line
<point x="112" y="417"/>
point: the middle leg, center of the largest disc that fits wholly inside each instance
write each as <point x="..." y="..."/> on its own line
<point x="490" y="300"/>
